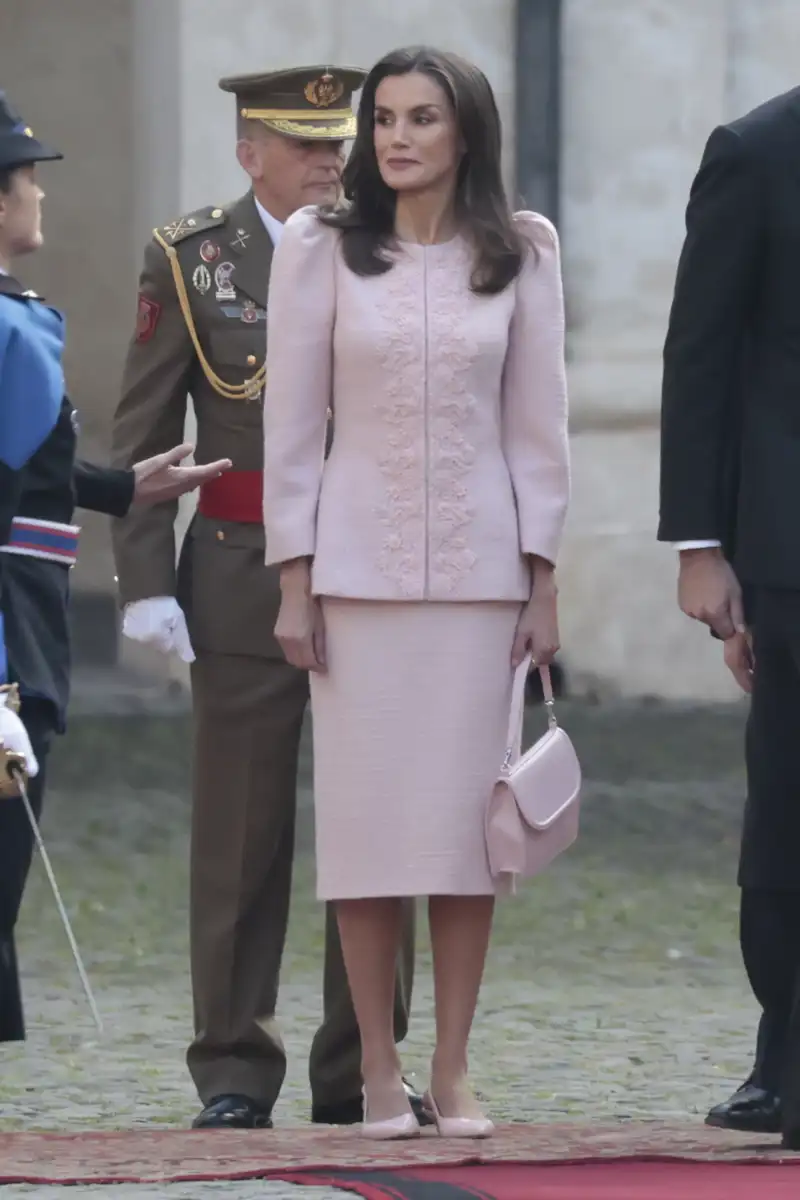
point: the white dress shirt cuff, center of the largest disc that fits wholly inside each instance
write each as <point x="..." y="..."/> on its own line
<point x="699" y="544"/>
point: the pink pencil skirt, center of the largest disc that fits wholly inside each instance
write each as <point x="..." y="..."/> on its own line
<point x="409" y="727"/>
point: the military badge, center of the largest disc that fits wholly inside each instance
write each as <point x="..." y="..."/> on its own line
<point x="147" y="313"/>
<point x="246" y="312"/>
<point x="222" y="281"/>
<point x="209" y="252"/>
<point x="241" y="239"/>
<point x="202" y="279"/>
<point x="178" y="228"/>
<point x="324" y="91"/>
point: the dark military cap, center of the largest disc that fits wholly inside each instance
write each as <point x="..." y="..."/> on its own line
<point x="18" y="146"/>
<point x="305" y="102"/>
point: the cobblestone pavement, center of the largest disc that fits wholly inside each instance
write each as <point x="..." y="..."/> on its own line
<point x="614" y="987"/>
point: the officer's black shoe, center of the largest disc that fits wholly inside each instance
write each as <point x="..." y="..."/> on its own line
<point x="750" y="1109"/>
<point x="233" y="1112"/>
<point x="351" y="1112"/>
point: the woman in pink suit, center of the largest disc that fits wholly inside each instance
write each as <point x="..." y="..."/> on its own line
<point x="417" y="561"/>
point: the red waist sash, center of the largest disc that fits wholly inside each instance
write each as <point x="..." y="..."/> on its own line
<point x="234" y="496"/>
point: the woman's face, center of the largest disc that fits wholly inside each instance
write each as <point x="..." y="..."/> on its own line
<point x="20" y="214"/>
<point x="417" y="141"/>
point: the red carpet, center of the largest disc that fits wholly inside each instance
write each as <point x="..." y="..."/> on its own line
<point x="626" y="1179"/>
<point x="641" y="1160"/>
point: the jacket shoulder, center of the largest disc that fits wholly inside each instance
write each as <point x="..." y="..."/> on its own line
<point x="15" y="312"/>
<point x="537" y="230"/>
<point x="12" y="307"/>
<point x="304" y="225"/>
<point x="768" y="121"/>
<point x="200" y="221"/>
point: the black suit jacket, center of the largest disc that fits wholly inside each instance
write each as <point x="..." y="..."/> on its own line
<point x="730" y="415"/>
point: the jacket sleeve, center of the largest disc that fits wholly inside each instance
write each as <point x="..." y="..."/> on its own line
<point x="300" y="322"/>
<point x="535" y="437"/>
<point x="31" y="386"/>
<point x="31" y="392"/>
<point x="10" y="491"/>
<point x="150" y="419"/>
<point x="102" y="489"/>
<point x="700" y="403"/>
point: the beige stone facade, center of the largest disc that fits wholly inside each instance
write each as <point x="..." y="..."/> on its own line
<point x="127" y="88"/>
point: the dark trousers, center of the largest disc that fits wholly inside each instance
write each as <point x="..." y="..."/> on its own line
<point x="769" y="871"/>
<point x="770" y="941"/>
<point x="16" y="850"/>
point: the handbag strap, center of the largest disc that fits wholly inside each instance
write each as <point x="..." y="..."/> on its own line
<point x="516" y="717"/>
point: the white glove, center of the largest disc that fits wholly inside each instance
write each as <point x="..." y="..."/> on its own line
<point x="159" y="621"/>
<point x="14" y="735"/>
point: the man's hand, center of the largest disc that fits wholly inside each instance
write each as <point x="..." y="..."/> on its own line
<point x="738" y="653"/>
<point x="708" y="591"/>
<point x="161" y="478"/>
<point x="159" y="621"/>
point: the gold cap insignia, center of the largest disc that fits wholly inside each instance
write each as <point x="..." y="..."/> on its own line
<point x="28" y="132"/>
<point x="324" y="91"/>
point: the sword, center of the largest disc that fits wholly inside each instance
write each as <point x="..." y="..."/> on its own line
<point x="15" y="768"/>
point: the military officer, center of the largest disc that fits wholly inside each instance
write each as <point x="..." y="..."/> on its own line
<point x="200" y="331"/>
<point x="40" y="485"/>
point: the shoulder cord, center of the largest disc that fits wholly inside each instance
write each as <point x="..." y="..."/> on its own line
<point x="244" y="391"/>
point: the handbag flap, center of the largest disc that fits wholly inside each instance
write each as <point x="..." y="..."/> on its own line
<point x="546" y="780"/>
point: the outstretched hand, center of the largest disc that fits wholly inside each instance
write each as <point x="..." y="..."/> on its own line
<point x="162" y="477"/>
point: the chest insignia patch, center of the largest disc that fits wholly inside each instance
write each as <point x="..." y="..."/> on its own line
<point x="202" y="279"/>
<point x="147" y="313"/>
<point x="246" y="312"/>
<point x="222" y="281"/>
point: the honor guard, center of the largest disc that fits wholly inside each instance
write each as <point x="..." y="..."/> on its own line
<point x="200" y="331"/>
<point x="40" y="485"/>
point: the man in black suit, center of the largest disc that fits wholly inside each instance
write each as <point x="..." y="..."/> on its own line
<point x="730" y="503"/>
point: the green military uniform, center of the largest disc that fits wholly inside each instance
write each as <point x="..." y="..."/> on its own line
<point x="201" y="331"/>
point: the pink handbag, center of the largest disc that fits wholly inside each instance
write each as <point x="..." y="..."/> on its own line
<point x="535" y="804"/>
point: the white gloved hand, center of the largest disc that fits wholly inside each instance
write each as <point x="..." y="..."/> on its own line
<point x="14" y="735"/>
<point x="159" y="621"/>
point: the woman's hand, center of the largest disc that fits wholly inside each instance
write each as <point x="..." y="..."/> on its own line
<point x="537" y="631"/>
<point x="300" y="629"/>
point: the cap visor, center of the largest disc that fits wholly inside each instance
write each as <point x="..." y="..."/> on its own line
<point x="316" y="130"/>
<point x="44" y="153"/>
<point x="22" y="151"/>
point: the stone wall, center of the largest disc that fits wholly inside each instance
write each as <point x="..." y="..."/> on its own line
<point x="644" y="82"/>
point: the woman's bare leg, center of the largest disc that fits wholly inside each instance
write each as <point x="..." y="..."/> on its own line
<point x="460" y="929"/>
<point x="370" y="932"/>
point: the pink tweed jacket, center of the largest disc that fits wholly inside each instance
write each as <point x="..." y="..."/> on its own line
<point x="450" y="458"/>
